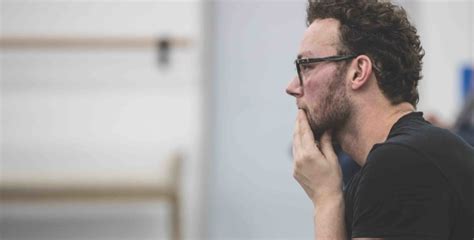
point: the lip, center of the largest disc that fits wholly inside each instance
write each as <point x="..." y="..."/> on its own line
<point x="299" y="105"/>
<point x="302" y="108"/>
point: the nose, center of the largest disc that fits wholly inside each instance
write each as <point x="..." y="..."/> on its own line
<point x="294" y="88"/>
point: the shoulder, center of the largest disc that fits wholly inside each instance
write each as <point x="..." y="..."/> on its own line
<point x="394" y="164"/>
<point x="400" y="193"/>
<point x="426" y="138"/>
<point x="395" y="156"/>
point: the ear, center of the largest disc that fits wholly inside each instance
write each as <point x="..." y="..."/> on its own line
<point x="361" y="70"/>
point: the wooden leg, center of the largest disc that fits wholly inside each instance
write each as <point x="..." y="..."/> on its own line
<point x="175" y="219"/>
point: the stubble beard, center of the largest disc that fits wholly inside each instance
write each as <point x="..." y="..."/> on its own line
<point x="334" y="110"/>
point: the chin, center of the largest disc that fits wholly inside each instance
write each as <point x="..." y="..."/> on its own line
<point x="317" y="131"/>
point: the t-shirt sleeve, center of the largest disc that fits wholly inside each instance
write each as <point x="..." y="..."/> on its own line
<point x="402" y="196"/>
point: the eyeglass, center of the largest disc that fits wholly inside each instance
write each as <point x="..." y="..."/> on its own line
<point x="301" y="62"/>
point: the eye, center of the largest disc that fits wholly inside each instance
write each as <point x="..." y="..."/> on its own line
<point x="306" y="67"/>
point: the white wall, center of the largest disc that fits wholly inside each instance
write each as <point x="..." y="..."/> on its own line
<point x="101" y="110"/>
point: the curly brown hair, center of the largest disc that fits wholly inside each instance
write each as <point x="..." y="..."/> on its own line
<point x="380" y="30"/>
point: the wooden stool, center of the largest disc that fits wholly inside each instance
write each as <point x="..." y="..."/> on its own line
<point x="29" y="187"/>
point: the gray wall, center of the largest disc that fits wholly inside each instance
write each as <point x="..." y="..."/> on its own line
<point x="447" y="35"/>
<point x="252" y="191"/>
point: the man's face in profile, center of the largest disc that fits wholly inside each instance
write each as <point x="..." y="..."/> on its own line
<point x="323" y="95"/>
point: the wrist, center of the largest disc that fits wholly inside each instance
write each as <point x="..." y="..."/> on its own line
<point x="328" y="200"/>
<point x="329" y="217"/>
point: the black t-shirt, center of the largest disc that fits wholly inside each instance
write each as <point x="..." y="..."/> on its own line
<point x="418" y="184"/>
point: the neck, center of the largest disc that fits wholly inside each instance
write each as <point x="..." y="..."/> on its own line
<point x="369" y="126"/>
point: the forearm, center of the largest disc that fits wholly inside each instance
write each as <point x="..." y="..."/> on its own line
<point x="329" y="223"/>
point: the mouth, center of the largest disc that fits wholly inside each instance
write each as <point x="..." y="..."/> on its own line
<point x="301" y="105"/>
<point x="302" y="108"/>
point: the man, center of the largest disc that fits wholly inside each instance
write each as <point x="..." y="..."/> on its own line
<point x="358" y="67"/>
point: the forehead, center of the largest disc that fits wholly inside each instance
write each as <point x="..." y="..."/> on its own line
<point x="320" y="38"/>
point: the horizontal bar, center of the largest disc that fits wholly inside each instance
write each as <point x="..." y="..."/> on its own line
<point x="83" y="194"/>
<point x="89" y="42"/>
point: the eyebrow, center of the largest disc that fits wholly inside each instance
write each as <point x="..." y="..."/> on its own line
<point x="304" y="54"/>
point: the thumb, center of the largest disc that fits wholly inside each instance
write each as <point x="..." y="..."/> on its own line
<point x="326" y="145"/>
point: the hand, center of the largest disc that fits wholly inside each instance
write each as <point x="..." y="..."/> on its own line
<point x="316" y="168"/>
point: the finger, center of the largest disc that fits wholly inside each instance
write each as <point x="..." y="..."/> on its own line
<point x="303" y="128"/>
<point x="326" y="145"/>
<point x="306" y="142"/>
<point x="297" y="147"/>
<point x="296" y="135"/>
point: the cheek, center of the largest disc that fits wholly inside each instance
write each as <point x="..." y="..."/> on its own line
<point x="321" y="79"/>
<point x="315" y="90"/>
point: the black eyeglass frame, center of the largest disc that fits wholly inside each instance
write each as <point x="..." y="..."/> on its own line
<point x="301" y="61"/>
